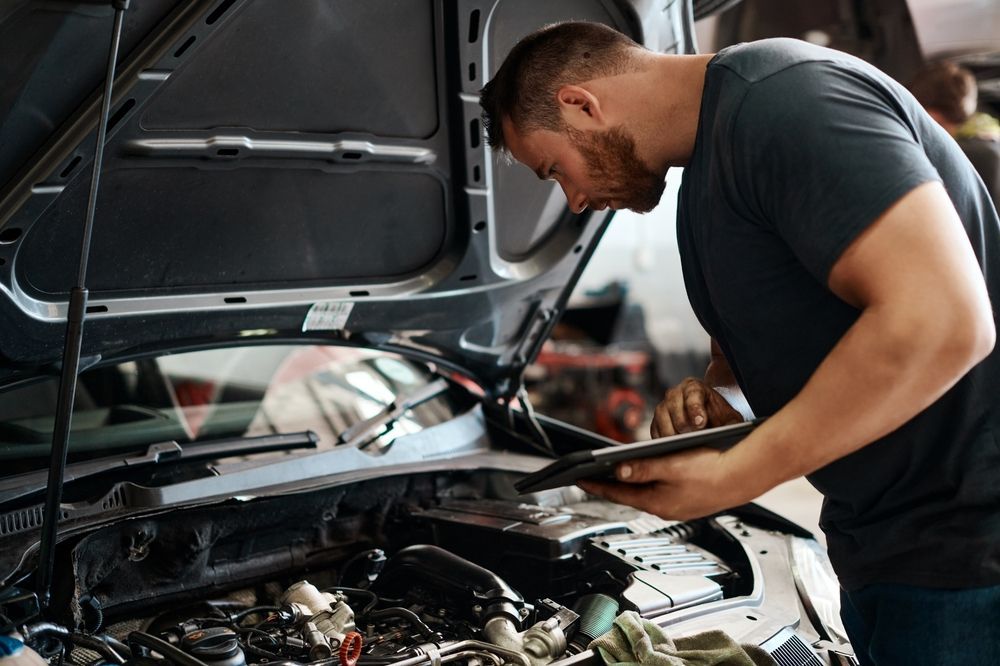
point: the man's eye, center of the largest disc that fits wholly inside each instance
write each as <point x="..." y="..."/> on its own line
<point x="552" y="172"/>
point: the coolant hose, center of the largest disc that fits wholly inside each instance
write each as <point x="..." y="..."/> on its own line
<point x="99" y="646"/>
<point x="444" y="569"/>
<point x="45" y="628"/>
<point x="93" y="643"/>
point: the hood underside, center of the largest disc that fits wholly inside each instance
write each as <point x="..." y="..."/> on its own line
<point x="308" y="169"/>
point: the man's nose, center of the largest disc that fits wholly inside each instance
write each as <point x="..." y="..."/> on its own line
<point x="577" y="200"/>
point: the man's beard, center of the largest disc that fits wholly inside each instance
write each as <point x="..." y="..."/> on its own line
<point x="615" y="167"/>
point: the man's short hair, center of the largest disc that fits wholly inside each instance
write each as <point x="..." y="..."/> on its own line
<point x="947" y="88"/>
<point x="525" y="87"/>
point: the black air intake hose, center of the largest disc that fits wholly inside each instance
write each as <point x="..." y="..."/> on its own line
<point x="443" y="569"/>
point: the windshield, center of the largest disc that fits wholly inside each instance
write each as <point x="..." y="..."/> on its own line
<point x="196" y="396"/>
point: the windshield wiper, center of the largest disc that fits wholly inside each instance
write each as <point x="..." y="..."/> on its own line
<point x="364" y="432"/>
<point x="29" y="483"/>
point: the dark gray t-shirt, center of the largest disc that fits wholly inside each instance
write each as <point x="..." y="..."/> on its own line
<point x="799" y="149"/>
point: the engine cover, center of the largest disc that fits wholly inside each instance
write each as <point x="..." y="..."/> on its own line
<point x="530" y="531"/>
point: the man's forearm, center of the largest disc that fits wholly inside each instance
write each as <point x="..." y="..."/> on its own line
<point x="885" y="370"/>
<point x="719" y="373"/>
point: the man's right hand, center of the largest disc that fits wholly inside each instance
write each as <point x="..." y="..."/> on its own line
<point x="691" y="405"/>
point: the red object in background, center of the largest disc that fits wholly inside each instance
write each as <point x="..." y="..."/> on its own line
<point x="584" y="358"/>
<point x="594" y="387"/>
<point x="620" y="415"/>
<point x="194" y="392"/>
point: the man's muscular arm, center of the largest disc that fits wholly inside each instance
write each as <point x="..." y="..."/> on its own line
<point x="925" y="321"/>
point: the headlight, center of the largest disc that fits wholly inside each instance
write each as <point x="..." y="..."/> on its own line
<point x="815" y="573"/>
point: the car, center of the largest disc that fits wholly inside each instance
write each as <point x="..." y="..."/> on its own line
<point x="299" y="416"/>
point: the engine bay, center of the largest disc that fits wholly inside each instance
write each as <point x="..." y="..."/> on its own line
<point x="425" y="569"/>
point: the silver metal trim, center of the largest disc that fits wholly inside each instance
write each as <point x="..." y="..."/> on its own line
<point x="154" y="75"/>
<point x="46" y="188"/>
<point x="334" y="150"/>
<point x="55" y="311"/>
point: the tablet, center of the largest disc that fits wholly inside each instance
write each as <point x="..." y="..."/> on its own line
<point x="599" y="464"/>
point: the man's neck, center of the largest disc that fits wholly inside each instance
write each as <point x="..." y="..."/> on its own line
<point x="659" y="104"/>
<point x="669" y="116"/>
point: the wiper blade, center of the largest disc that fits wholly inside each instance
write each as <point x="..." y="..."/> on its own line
<point x="29" y="483"/>
<point x="364" y="432"/>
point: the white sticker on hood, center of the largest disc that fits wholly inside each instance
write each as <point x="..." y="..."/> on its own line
<point x="328" y="316"/>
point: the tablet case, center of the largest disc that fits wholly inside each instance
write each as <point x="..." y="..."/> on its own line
<point x="600" y="463"/>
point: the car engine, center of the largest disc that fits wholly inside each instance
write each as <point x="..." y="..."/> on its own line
<point x="386" y="572"/>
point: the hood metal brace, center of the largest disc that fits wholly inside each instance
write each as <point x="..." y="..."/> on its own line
<point x="533" y="424"/>
<point x="501" y="411"/>
<point x="74" y="339"/>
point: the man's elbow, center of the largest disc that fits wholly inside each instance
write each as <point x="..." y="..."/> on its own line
<point x="950" y="334"/>
<point x="973" y="334"/>
<point x="985" y="337"/>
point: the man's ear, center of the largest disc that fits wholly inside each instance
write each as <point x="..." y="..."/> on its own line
<point x="580" y="108"/>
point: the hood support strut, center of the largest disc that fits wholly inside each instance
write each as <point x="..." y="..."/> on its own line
<point x="74" y="339"/>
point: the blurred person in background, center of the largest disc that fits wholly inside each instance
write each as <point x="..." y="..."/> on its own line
<point x="949" y="94"/>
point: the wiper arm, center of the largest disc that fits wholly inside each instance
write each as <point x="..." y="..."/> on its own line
<point x="364" y="432"/>
<point x="29" y="483"/>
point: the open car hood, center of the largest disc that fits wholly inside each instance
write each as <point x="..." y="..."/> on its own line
<point x="283" y="170"/>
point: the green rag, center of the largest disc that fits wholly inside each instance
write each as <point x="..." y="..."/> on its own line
<point x="634" y="641"/>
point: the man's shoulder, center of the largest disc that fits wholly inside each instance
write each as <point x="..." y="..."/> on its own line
<point x="756" y="61"/>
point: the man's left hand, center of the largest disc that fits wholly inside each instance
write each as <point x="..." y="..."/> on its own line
<point x="680" y="486"/>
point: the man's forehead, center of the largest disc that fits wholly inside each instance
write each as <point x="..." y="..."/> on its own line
<point x="528" y="149"/>
<point x="518" y="147"/>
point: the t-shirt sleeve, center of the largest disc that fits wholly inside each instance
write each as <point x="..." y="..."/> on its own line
<point x="819" y="153"/>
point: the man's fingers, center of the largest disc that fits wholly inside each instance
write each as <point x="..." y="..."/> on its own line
<point x="648" y="470"/>
<point x="686" y="404"/>
<point x="642" y="497"/>
<point x="689" y="406"/>
<point x="675" y="407"/>
<point x="628" y="472"/>
<point x="661" y="420"/>
<point x="694" y="404"/>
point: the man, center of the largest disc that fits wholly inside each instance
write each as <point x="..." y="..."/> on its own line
<point x="824" y="224"/>
<point x="950" y="95"/>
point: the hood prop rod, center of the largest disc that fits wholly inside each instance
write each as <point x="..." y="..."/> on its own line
<point x="74" y="340"/>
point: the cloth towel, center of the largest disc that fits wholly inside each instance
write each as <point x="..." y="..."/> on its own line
<point x="634" y="641"/>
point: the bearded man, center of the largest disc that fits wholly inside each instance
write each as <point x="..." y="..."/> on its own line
<point x="840" y="251"/>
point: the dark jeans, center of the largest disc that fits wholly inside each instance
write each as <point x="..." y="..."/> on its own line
<point x="902" y="624"/>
